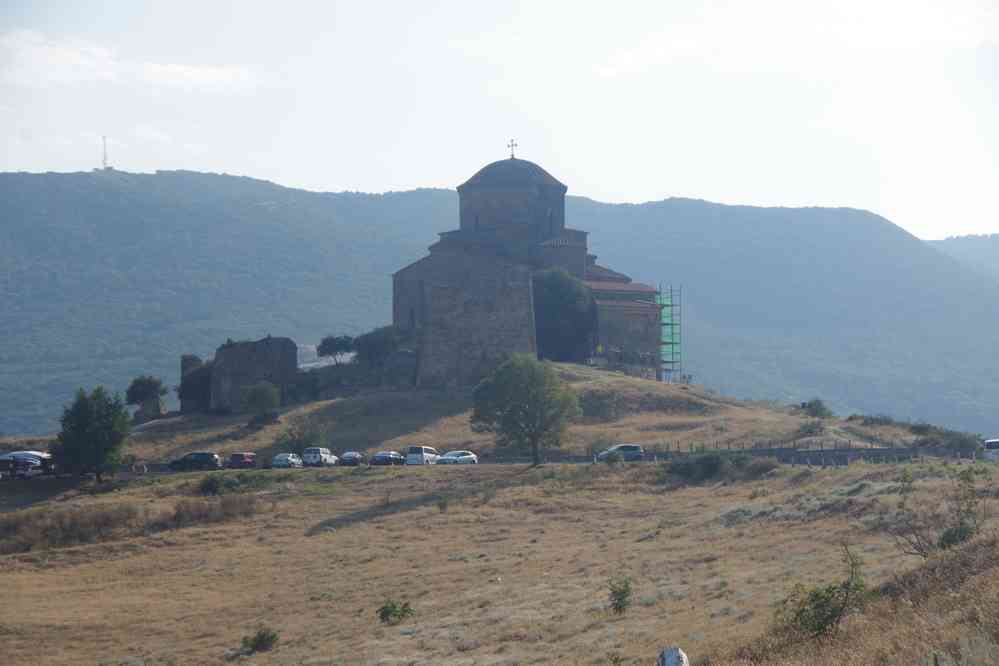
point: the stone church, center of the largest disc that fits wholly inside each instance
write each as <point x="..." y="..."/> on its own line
<point x="469" y="303"/>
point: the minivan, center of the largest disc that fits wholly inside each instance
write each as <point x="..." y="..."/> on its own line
<point x="422" y="455"/>
<point x="316" y="456"/>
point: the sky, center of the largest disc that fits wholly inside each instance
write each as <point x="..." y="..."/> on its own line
<point x="887" y="106"/>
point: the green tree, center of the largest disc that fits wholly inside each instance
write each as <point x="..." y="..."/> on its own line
<point x="374" y="348"/>
<point x="336" y="346"/>
<point x="525" y="404"/>
<point x="565" y="316"/>
<point x="143" y="388"/>
<point x="93" y="435"/>
<point x="260" y="399"/>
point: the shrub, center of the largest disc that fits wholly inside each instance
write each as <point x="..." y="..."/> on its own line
<point x="923" y="533"/>
<point x="442" y="504"/>
<point x="619" y="594"/>
<point x="39" y="529"/>
<point x="818" y="611"/>
<point x="300" y="436"/>
<point x="393" y="612"/>
<point x="143" y="388"/>
<point x="260" y="399"/>
<point x="811" y="429"/>
<point x="263" y="640"/>
<point x="375" y="347"/>
<point x="816" y="409"/>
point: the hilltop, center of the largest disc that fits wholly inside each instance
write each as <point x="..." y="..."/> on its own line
<point x="108" y="275"/>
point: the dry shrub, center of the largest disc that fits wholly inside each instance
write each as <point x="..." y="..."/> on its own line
<point x="197" y="511"/>
<point x="38" y="529"/>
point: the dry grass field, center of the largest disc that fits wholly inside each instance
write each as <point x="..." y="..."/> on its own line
<point x="502" y="564"/>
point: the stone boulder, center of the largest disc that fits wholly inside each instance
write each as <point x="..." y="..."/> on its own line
<point x="238" y="365"/>
<point x="150" y="410"/>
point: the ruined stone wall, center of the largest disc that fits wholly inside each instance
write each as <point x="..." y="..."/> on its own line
<point x="241" y="364"/>
<point x="477" y="311"/>
<point x="189" y="400"/>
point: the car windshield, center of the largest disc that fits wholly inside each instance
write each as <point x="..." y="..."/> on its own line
<point x="310" y="451"/>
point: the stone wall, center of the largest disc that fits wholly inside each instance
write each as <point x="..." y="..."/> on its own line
<point x="241" y="364"/>
<point x="476" y="311"/>
<point x="189" y="363"/>
<point x="629" y="329"/>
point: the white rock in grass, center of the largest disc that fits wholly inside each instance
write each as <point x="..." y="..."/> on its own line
<point x="673" y="656"/>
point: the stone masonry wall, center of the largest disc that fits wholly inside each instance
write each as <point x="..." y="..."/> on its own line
<point x="477" y="311"/>
<point x="241" y="364"/>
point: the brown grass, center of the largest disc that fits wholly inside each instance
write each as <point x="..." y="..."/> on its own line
<point x="514" y="571"/>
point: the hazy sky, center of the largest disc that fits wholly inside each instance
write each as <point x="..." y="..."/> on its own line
<point x="888" y="106"/>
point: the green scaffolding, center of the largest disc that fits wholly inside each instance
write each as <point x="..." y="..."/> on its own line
<point x="670" y="301"/>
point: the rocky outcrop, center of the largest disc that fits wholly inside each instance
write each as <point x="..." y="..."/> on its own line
<point x="238" y="365"/>
<point x="673" y="656"/>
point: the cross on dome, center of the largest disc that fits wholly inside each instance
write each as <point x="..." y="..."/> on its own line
<point x="511" y="145"/>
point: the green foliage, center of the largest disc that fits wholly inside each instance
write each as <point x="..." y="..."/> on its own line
<point x="94" y="431"/>
<point x="375" y="347"/>
<point x="394" y="612"/>
<point x="300" y="436"/>
<point x="818" y="611"/>
<point x="817" y="409"/>
<point x="143" y="388"/>
<point x="810" y="429"/>
<point x="715" y="467"/>
<point x="336" y="347"/>
<point x="923" y="532"/>
<point x="260" y="399"/>
<point x="619" y="594"/>
<point x="565" y="316"/>
<point x="525" y="404"/>
<point x="263" y="640"/>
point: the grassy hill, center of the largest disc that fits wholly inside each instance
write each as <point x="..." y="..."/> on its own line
<point x="108" y="275"/>
<point x="502" y="564"/>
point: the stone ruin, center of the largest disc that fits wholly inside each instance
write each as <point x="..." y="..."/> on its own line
<point x="217" y="385"/>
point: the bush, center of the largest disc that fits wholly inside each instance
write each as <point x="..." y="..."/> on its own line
<point x="263" y="640"/>
<point x="818" y="611"/>
<point x="619" y="594"/>
<point x="300" y="436"/>
<point x="810" y="429"/>
<point x="957" y="520"/>
<point x="143" y="388"/>
<point x="393" y="612"/>
<point x="260" y="399"/>
<point x="817" y="409"/>
<point x="375" y="347"/>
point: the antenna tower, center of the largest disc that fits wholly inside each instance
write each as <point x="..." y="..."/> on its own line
<point x="104" y="140"/>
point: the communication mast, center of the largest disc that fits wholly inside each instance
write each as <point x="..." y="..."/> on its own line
<point x="104" y="162"/>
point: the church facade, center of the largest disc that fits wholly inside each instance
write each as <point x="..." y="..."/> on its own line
<point x="469" y="303"/>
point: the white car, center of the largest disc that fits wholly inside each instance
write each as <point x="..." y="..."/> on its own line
<point x="422" y="455"/>
<point x="458" y="458"/>
<point x="286" y="460"/>
<point x="316" y="456"/>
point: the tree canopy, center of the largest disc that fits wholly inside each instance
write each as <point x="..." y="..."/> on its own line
<point x="336" y="347"/>
<point x="565" y="316"/>
<point x="525" y="404"/>
<point x="143" y="388"/>
<point x="93" y="435"/>
<point x="260" y="399"/>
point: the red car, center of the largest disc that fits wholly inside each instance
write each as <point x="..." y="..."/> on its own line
<point x="243" y="460"/>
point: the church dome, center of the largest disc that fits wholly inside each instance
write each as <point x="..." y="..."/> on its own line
<point x="511" y="173"/>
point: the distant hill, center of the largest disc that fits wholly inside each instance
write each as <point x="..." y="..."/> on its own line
<point x="106" y="275"/>
<point x="981" y="252"/>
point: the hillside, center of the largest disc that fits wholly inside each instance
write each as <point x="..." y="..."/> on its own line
<point x="108" y="275"/>
<point x="980" y="252"/>
<point x="501" y="564"/>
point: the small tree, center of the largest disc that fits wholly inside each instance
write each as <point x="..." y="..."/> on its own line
<point x="94" y="430"/>
<point x="817" y="409"/>
<point x="818" y="611"/>
<point x="143" y="388"/>
<point x="374" y="348"/>
<point x="336" y="347"/>
<point x="525" y="404"/>
<point x="261" y="400"/>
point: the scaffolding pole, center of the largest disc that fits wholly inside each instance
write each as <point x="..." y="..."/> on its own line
<point x="670" y="300"/>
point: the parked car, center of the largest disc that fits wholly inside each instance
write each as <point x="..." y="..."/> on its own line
<point x="242" y="460"/>
<point x="197" y="460"/>
<point x="624" y="452"/>
<point x="352" y="459"/>
<point x="286" y="460"/>
<point x="26" y="464"/>
<point x="316" y="456"/>
<point x="388" y="458"/>
<point x="458" y="458"/>
<point x="422" y="455"/>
